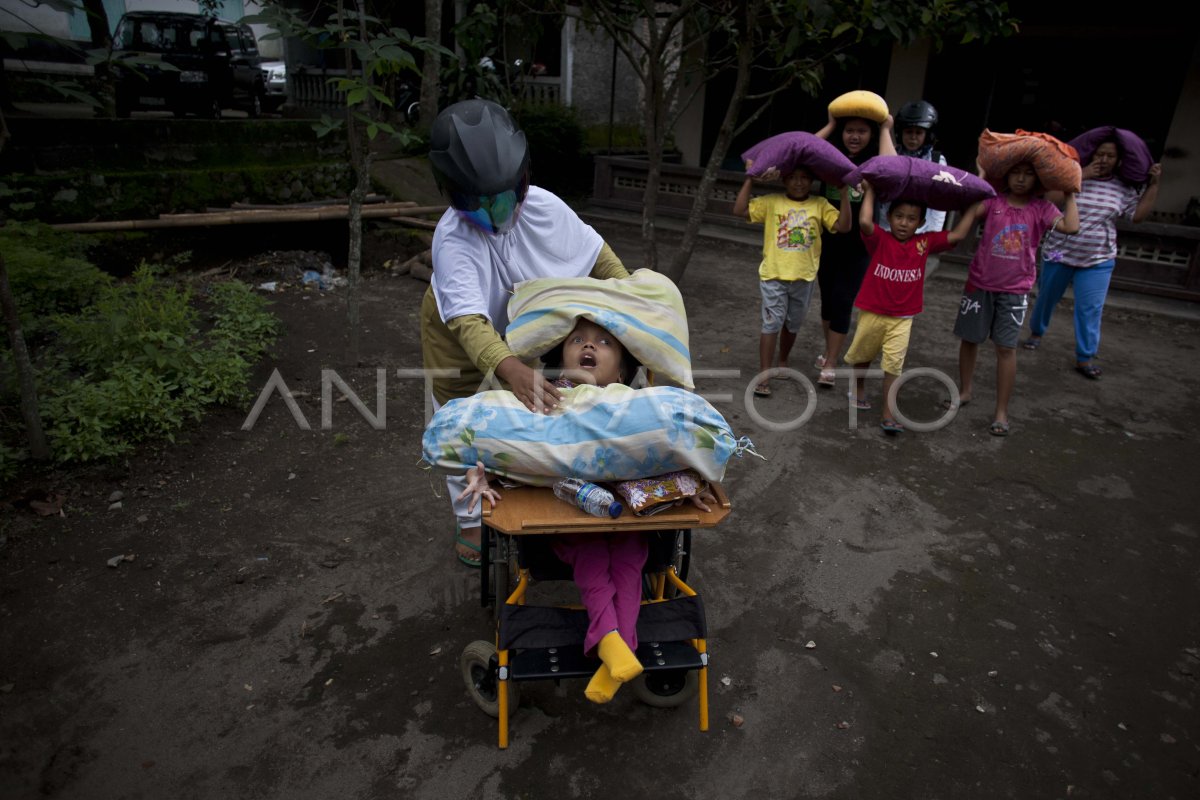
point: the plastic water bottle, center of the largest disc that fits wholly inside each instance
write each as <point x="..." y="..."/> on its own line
<point x="595" y="500"/>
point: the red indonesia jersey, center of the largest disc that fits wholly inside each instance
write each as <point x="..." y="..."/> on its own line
<point x="894" y="285"/>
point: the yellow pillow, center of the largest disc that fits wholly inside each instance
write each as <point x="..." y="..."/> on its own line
<point x="860" y="103"/>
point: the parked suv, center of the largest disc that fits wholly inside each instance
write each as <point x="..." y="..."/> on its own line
<point x="186" y="63"/>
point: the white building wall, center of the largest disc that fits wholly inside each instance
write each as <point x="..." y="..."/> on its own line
<point x="1181" y="159"/>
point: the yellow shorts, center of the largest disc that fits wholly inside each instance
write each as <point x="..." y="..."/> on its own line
<point x="877" y="334"/>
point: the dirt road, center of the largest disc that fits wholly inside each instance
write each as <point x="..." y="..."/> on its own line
<point x="936" y="615"/>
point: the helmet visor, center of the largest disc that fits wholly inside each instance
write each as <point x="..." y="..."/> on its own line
<point x="491" y="213"/>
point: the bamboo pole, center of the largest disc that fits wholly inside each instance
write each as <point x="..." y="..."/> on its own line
<point x="250" y="217"/>
<point x="412" y="222"/>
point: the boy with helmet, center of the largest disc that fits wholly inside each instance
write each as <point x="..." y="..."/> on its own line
<point x="916" y="122"/>
<point x="498" y="231"/>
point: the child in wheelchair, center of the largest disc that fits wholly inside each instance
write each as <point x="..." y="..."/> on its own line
<point x="607" y="567"/>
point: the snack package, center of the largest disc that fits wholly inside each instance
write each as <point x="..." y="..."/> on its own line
<point x="647" y="496"/>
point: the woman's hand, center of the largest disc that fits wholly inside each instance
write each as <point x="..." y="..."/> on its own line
<point x="1155" y="173"/>
<point x="1090" y="171"/>
<point x="888" y="123"/>
<point x="531" y="387"/>
<point x="477" y="487"/>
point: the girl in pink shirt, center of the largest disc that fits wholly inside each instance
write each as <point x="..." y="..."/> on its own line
<point x="1001" y="274"/>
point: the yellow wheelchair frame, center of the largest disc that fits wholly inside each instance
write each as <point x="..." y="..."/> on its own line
<point x="491" y="671"/>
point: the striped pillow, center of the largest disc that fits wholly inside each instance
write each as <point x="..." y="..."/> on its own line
<point x="644" y="311"/>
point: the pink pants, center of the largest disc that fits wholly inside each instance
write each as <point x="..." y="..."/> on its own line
<point x="608" y="571"/>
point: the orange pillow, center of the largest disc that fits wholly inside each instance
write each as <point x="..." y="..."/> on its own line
<point x="860" y="103"/>
<point x="1056" y="163"/>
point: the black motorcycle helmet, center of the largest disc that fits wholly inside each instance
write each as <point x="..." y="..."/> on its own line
<point x="917" y="114"/>
<point x="481" y="160"/>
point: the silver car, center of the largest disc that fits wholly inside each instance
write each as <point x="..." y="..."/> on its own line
<point x="275" y="80"/>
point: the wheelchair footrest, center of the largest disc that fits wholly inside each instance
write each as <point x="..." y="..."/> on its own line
<point x="524" y="627"/>
<point x="569" y="661"/>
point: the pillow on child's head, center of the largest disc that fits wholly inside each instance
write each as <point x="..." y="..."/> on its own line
<point x="1056" y="164"/>
<point x="786" y="151"/>
<point x="936" y="186"/>
<point x="859" y="103"/>
<point x="1135" y="155"/>
<point x="644" y="311"/>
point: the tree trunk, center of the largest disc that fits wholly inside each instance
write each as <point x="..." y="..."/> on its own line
<point x="360" y="156"/>
<point x="432" y="65"/>
<point x="29" y="398"/>
<point x="360" y="160"/>
<point x="97" y="18"/>
<point x="691" y="232"/>
<point x="652" y="116"/>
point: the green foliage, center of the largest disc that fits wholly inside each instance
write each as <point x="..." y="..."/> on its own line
<point x="378" y="52"/>
<point x="11" y="461"/>
<point x="558" y="148"/>
<point x="138" y="362"/>
<point x="49" y="273"/>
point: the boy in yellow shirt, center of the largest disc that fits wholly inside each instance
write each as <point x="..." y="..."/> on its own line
<point x="792" y="225"/>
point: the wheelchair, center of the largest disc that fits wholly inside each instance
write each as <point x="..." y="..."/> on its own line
<point x="545" y="642"/>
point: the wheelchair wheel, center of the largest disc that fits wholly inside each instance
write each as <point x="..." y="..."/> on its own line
<point x="666" y="688"/>
<point x="478" y="663"/>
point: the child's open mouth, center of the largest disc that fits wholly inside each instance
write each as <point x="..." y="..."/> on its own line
<point x="587" y="361"/>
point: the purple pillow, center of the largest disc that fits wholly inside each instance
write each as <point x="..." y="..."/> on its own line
<point x="936" y="185"/>
<point x="1135" y="155"/>
<point x="786" y="151"/>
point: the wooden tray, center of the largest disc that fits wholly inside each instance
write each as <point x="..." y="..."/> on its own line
<point x="530" y="510"/>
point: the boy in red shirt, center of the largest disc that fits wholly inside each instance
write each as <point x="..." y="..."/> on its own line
<point x="893" y="292"/>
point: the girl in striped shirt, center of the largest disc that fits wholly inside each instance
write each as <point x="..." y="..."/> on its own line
<point x="1086" y="259"/>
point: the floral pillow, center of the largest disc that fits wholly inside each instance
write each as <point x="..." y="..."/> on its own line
<point x="612" y="433"/>
<point x="936" y="186"/>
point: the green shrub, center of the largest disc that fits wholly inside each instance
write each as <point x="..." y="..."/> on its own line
<point x="49" y="273"/>
<point x="137" y="364"/>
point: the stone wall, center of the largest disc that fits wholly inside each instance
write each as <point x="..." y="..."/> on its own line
<point x="591" y="84"/>
<point x="70" y="170"/>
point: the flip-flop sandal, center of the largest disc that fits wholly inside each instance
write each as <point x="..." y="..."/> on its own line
<point x="862" y="404"/>
<point x="762" y="390"/>
<point x="820" y="362"/>
<point x="1032" y="343"/>
<point x="827" y="378"/>
<point x="998" y="428"/>
<point x="891" y="426"/>
<point x="1089" y="371"/>
<point x="474" y="563"/>
<point x="950" y="405"/>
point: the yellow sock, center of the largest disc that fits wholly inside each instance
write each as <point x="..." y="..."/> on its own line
<point x="602" y="686"/>
<point x="621" y="662"/>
